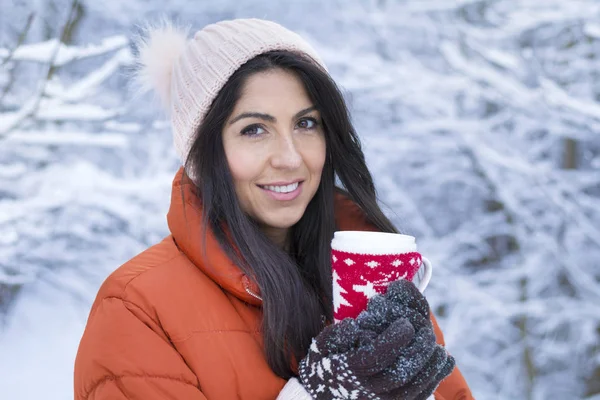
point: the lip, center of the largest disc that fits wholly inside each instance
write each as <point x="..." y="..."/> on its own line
<point x="284" y="196"/>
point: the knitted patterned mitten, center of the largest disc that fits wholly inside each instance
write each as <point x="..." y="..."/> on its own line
<point x="422" y="364"/>
<point x="343" y="359"/>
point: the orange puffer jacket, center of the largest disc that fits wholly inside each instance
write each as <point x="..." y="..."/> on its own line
<point x="166" y="326"/>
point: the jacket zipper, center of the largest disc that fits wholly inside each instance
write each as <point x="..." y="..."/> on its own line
<point x="252" y="294"/>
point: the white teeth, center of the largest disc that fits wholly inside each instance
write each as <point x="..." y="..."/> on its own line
<point x="283" y="189"/>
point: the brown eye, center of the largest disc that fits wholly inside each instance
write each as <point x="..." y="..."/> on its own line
<point x="252" y="130"/>
<point x="307" y="123"/>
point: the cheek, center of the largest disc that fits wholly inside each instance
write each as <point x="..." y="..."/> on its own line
<point x="315" y="156"/>
<point x="244" y="166"/>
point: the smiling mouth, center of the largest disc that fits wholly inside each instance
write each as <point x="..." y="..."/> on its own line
<point x="283" y="193"/>
<point x="281" y="188"/>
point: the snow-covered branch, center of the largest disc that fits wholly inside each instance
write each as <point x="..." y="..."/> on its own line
<point x="43" y="52"/>
<point x="54" y="102"/>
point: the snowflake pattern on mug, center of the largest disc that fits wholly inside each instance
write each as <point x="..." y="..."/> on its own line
<point x="358" y="277"/>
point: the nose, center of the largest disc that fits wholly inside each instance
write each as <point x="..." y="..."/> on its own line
<point x="286" y="154"/>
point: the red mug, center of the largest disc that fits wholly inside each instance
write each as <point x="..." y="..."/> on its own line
<point x="364" y="264"/>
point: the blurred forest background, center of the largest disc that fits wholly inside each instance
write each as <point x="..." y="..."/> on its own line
<point x="480" y="120"/>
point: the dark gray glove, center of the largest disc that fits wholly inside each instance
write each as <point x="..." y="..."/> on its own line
<point x="422" y="364"/>
<point x="343" y="357"/>
<point x="388" y="352"/>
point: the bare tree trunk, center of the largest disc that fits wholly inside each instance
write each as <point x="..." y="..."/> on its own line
<point x="73" y="23"/>
<point x="66" y="35"/>
<point x="7" y="294"/>
<point x="528" y="362"/>
<point x="11" y="69"/>
<point x="569" y="156"/>
<point x="592" y="384"/>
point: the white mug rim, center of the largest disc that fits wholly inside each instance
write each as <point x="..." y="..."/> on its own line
<point x="383" y="243"/>
<point x="353" y="234"/>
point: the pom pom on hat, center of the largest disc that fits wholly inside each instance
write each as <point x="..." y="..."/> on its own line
<point x="159" y="48"/>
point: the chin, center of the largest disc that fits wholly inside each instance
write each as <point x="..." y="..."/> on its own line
<point x="282" y="222"/>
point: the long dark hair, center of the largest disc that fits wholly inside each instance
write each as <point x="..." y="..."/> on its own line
<point x="296" y="286"/>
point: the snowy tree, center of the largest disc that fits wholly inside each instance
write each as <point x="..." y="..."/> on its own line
<point x="489" y="140"/>
<point x="480" y="120"/>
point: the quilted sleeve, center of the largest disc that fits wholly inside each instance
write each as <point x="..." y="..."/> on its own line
<point x="454" y="387"/>
<point x="124" y="354"/>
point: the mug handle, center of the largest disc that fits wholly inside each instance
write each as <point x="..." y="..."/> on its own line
<point x="428" y="269"/>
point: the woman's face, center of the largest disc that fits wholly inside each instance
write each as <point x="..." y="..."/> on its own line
<point x="275" y="147"/>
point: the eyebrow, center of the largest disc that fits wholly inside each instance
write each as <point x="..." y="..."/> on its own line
<point x="268" y="117"/>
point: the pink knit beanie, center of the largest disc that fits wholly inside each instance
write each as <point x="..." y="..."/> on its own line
<point x="187" y="74"/>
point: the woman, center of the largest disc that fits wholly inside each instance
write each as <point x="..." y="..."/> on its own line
<point x="236" y="303"/>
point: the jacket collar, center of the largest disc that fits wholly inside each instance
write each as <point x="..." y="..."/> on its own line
<point x="185" y="223"/>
